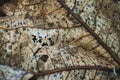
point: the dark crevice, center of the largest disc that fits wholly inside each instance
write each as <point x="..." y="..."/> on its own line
<point x="2" y="14"/>
<point x="2" y="2"/>
<point x="34" y="78"/>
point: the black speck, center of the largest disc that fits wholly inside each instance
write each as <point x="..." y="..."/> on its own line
<point x="88" y="18"/>
<point x="92" y="4"/>
<point x="27" y="16"/>
<point x="20" y="33"/>
<point x="5" y="30"/>
<point x="40" y="37"/>
<point x="110" y="33"/>
<point x="93" y="12"/>
<point x="86" y="8"/>
<point x="16" y="31"/>
<point x="24" y="28"/>
<point x="49" y="39"/>
<point x="44" y="44"/>
<point x="8" y="26"/>
<point x="50" y="24"/>
<point x="39" y="40"/>
<point x="63" y="18"/>
<point x="77" y="3"/>
<point x="68" y="14"/>
<point x="15" y="25"/>
<point x="13" y="43"/>
<point x="54" y="16"/>
<point x="60" y="73"/>
<point x="51" y="43"/>
<point x="98" y="25"/>
<point x="24" y="23"/>
<point x="19" y="23"/>
<point x="45" y="37"/>
<point x="10" y="46"/>
<point x="34" y="38"/>
<point x="54" y="75"/>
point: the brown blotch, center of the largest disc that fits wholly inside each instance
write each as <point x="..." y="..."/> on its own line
<point x="44" y="58"/>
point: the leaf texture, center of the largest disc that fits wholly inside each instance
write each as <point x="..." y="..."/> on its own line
<point x="44" y="40"/>
<point x="102" y="17"/>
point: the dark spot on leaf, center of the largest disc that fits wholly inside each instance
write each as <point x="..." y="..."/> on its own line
<point x="49" y="39"/>
<point x="5" y="30"/>
<point x="44" y="58"/>
<point x="10" y="46"/>
<point x="51" y="43"/>
<point x="98" y="25"/>
<point x="27" y="16"/>
<point x="40" y="41"/>
<point x="93" y="12"/>
<point x="110" y="33"/>
<point x="63" y="18"/>
<point x="16" y="31"/>
<point x="50" y="24"/>
<point x="44" y="44"/>
<point x="13" y="43"/>
<point x="24" y="28"/>
<point x="34" y="38"/>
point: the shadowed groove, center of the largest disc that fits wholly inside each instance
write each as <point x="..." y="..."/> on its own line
<point x="76" y="68"/>
<point x="40" y="27"/>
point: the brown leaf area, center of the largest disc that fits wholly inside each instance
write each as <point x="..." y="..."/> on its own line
<point x="43" y="38"/>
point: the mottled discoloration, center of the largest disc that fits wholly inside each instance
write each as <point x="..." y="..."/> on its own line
<point x="38" y="36"/>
